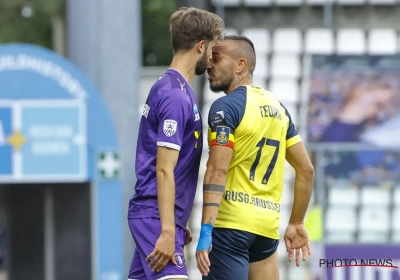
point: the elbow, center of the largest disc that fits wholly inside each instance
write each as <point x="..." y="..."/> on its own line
<point x="307" y="172"/>
<point x="310" y="171"/>
<point x="162" y="172"/>
<point x="217" y="173"/>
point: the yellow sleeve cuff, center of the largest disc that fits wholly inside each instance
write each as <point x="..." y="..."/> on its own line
<point x="294" y="140"/>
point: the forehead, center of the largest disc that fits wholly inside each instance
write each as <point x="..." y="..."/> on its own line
<point x="211" y="43"/>
<point x="222" y="47"/>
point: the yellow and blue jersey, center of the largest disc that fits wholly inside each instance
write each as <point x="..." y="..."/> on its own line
<point x="259" y="129"/>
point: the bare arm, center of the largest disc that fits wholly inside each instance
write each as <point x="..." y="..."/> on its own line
<point x="297" y="156"/>
<point x="166" y="162"/>
<point x="222" y="121"/>
<point x="214" y="182"/>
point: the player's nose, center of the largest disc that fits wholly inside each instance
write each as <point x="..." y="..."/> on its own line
<point x="209" y="66"/>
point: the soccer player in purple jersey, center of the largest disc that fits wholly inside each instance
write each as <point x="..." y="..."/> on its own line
<point x="169" y="149"/>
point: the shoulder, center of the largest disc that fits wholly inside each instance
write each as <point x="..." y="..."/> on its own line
<point x="172" y="101"/>
<point x="234" y="100"/>
<point x="169" y="89"/>
<point x="169" y="86"/>
<point x="175" y="94"/>
<point x="286" y="111"/>
<point x="238" y="95"/>
<point x="229" y="109"/>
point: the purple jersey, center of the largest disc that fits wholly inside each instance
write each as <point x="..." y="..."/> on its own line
<point x="171" y="118"/>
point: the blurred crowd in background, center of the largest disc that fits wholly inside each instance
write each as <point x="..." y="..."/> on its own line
<point x="356" y="100"/>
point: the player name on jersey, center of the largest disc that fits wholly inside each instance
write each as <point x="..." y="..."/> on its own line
<point x="268" y="111"/>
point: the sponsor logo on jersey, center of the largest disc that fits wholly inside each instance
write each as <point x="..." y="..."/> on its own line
<point x="198" y="140"/>
<point x="217" y="118"/>
<point x="196" y="113"/>
<point x="170" y="127"/>
<point x="243" y="197"/>
<point x="146" y="110"/>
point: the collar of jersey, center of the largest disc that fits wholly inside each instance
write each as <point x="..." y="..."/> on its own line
<point x="182" y="77"/>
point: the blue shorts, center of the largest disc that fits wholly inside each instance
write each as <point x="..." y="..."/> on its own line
<point x="145" y="232"/>
<point x="233" y="251"/>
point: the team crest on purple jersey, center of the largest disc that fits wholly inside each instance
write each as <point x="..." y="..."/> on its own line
<point x="170" y="127"/>
<point x="180" y="260"/>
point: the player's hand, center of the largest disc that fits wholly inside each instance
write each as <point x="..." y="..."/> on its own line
<point x="163" y="252"/>
<point x="296" y="239"/>
<point x="189" y="236"/>
<point x="203" y="248"/>
<point x="203" y="262"/>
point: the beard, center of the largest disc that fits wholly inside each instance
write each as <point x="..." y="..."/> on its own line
<point x="201" y="65"/>
<point x="223" y="84"/>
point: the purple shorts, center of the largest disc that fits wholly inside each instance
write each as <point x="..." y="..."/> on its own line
<point x="145" y="233"/>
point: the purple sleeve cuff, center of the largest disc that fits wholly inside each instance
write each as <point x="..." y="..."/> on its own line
<point x="340" y="132"/>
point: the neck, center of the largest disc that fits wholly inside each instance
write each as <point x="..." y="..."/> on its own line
<point x="184" y="64"/>
<point x="246" y="80"/>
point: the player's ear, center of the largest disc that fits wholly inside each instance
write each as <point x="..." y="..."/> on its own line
<point x="201" y="46"/>
<point x="241" y="65"/>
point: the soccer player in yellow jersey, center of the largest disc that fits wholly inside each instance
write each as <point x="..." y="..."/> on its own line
<point x="250" y="137"/>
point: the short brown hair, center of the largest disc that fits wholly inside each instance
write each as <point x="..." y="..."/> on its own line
<point x="245" y="48"/>
<point x="191" y="25"/>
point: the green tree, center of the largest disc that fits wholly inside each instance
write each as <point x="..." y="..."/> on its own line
<point x="157" y="49"/>
<point x="28" y="21"/>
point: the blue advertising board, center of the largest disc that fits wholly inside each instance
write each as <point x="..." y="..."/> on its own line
<point x="6" y="152"/>
<point x="55" y="127"/>
<point x="43" y="141"/>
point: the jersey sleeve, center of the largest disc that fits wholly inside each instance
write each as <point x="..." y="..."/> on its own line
<point x="224" y="117"/>
<point x="292" y="135"/>
<point x="173" y="114"/>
